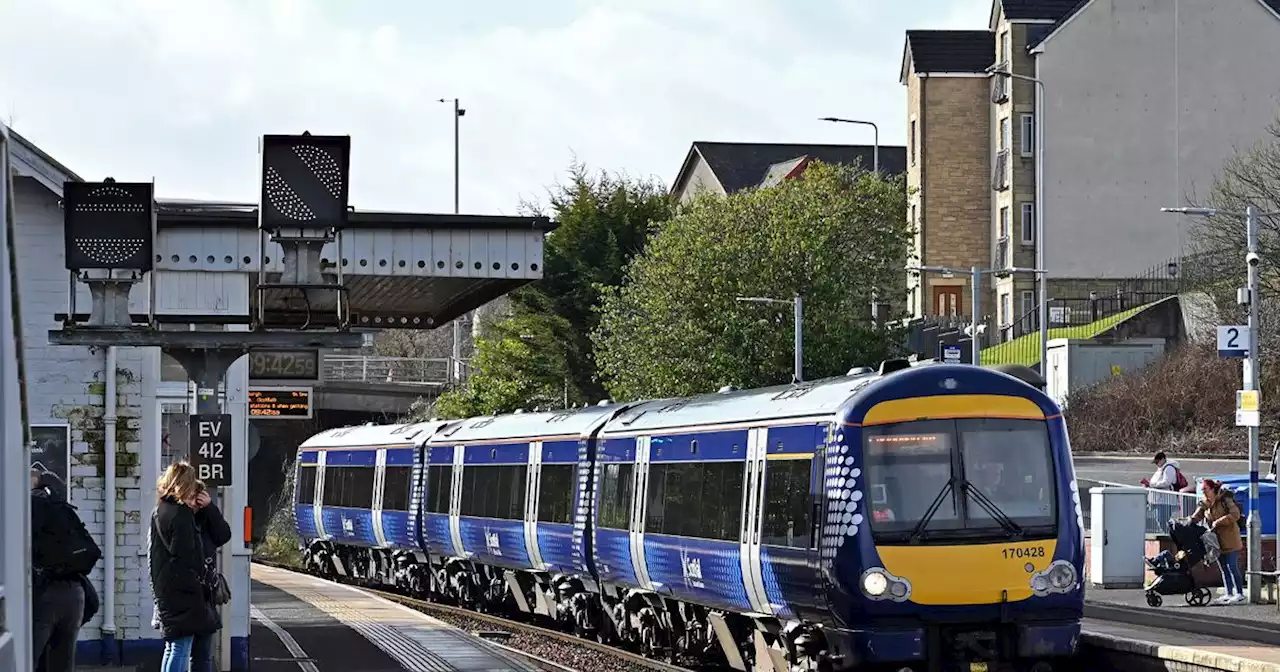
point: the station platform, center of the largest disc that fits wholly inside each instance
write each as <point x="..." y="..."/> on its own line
<point x="304" y="623"/>
<point x="1107" y="645"/>
<point x="1250" y="622"/>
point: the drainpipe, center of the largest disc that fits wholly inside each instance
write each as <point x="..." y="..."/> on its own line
<point x="109" y="646"/>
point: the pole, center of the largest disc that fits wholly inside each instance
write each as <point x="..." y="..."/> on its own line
<point x="1042" y="277"/>
<point x="799" y="318"/>
<point x="875" y="148"/>
<point x="975" y="303"/>
<point x="1251" y="383"/>
<point x="457" y="321"/>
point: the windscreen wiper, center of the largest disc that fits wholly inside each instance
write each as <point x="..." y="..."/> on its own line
<point x="933" y="509"/>
<point x="994" y="511"/>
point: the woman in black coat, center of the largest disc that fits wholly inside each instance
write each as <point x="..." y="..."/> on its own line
<point x="214" y="533"/>
<point x="183" y="602"/>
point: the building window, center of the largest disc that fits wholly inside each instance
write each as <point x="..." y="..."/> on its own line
<point x="1028" y="223"/>
<point x="1007" y="42"/>
<point x="175" y="433"/>
<point x="1028" y="134"/>
<point x="1004" y="223"/>
<point x="1005" y="138"/>
<point x="911" y="140"/>
<point x="1006" y="309"/>
<point x="913" y="215"/>
<point x="1028" y="304"/>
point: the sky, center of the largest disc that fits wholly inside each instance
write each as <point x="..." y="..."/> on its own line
<point x="180" y="91"/>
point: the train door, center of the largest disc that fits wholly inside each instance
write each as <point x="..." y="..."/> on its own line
<point x="639" y="508"/>
<point x="752" y="509"/>
<point x="455" y="502"/>
<point x="533" y="485"/>
<point x="318" y="500"/>
<point x="379" y="481"/>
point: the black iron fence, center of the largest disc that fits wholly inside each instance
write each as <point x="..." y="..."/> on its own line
<point x="1077" y="308"/>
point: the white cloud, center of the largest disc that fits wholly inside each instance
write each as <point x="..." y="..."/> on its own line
<point x="181" y="90"/>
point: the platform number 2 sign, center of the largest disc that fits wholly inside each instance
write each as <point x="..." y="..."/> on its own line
<point x="211" y="448"/>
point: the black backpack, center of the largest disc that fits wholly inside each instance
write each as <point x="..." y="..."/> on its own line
<point x="61" y="547"/>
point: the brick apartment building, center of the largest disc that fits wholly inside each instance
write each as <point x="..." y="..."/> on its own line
<point x="1142" y="103"/>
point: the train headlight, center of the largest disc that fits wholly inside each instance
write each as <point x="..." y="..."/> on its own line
<point x="874" y="584"/>
<point x="1060" y="577"/>
<point x="878" y="584"/>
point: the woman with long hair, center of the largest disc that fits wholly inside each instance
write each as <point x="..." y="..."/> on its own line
<point x="184" y="604"/>
<point x="1220" y="511"/>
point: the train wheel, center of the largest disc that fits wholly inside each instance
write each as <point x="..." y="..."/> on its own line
<point x="1154" y="600"/>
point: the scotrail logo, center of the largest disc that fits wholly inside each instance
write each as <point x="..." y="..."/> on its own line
<point x="692" y="570"/>
<point x="491" y="542"/>
<point x="348" y="526"/>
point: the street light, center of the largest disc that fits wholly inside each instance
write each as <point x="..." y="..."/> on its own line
<point x="798" y="304"/>
<point x="875" y="148"/>
<point x="975" y="301"/>
<point x="458" y="113"/>
<point x="1043" y="290"/>
<point x="1248" y="296"/>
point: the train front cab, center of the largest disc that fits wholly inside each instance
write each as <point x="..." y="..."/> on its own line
<point x="965" y="539"/>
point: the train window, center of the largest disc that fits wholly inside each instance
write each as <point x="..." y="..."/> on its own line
<point x="1008" y="461"/>
<point x="439" y="487"/>
<point x="494" y="491"/>
<point x="395" y="489"/>
<point x="555" y="501"/>
<point x="615" y="495"/>
<point x="909" y="465"/>
<point x="332" y="495"/>
<point x="787" y="504"/>
<point x="357" y="488"/>
<point x="306" y="491"/>
<point x="680" y="488"/>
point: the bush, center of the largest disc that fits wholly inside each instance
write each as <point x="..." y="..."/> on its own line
<point x="280" y="543"/>
<point x="1183" y="403"/>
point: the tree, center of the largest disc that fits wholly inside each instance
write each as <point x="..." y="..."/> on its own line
<point x="675" y="328"/>
<point x="512" y="369"/>
<point x="604" y="221"/>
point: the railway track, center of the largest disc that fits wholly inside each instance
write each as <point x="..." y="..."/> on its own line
<point x="545" y="648"/>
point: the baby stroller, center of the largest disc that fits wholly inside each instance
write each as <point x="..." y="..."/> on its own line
<point x="1173" y="570"/>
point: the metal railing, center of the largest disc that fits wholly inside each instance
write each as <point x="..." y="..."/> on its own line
<point x="1161" y="504"/>
<point x="383" y="370"/>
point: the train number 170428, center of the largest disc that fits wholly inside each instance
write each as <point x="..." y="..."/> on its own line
<point x="1019" y="552"/>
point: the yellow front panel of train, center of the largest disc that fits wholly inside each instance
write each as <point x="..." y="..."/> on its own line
<point x="976" y="574"/>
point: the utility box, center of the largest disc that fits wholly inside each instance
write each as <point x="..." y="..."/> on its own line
<point x="1118" y="537"/>
<point x="1075" y="364"/>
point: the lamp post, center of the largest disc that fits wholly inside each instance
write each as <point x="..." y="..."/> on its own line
<point x="875" y="149"/>
<point x="798" y="306"/>
<point x="1042" y="289"/>
<point x="458" y="113"/>
<point x="975" y="301"/>
<point x="1248" y="296"/>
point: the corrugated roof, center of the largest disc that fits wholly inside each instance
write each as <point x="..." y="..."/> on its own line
<point x="738" y="165"/>
<point x="951" y="50"/>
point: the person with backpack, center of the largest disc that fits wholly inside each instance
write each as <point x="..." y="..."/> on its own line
<point x="1220" y="512"/>
<point x="1167" y="476"/>
<point x="184" y="601"/>
<point x="62" y="555"/>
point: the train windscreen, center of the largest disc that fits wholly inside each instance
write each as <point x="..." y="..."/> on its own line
<point x="982" y="477"/>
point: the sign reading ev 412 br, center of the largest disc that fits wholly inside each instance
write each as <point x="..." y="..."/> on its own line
<point x="1234" y="341"/>
<point x="211" y="448"/>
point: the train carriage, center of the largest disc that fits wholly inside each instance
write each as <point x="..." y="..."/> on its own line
<point x="506" y="509"/>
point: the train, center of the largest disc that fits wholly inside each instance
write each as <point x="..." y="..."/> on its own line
<point x="912" y="516"/>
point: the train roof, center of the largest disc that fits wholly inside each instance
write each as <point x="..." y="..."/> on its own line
<point x="570" y="422"/>
<point x="373" y="435"/>
<point x="809" y="399"/>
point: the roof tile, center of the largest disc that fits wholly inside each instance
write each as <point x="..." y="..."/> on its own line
<point x="951" y="50"/>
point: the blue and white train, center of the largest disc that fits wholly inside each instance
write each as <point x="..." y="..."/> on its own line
<point x="918" y="517"/>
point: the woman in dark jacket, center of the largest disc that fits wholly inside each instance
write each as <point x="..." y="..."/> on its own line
<point x="214" y="533"/>
<point x="183" y="603"/>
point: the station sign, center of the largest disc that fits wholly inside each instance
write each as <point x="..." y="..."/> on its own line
<point x="210" y="435"/>
<point x="952" y="354"/>
<point x="280" y="403"/>
<point x="284" y="365"/>
<point x="1234" y="341"/>
<point x="1247" y="408"/>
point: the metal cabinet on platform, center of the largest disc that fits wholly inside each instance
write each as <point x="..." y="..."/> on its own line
<point x="1118" y="537"/>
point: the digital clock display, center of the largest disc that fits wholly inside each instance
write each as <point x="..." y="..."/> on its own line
<point x="284" y="364"/>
